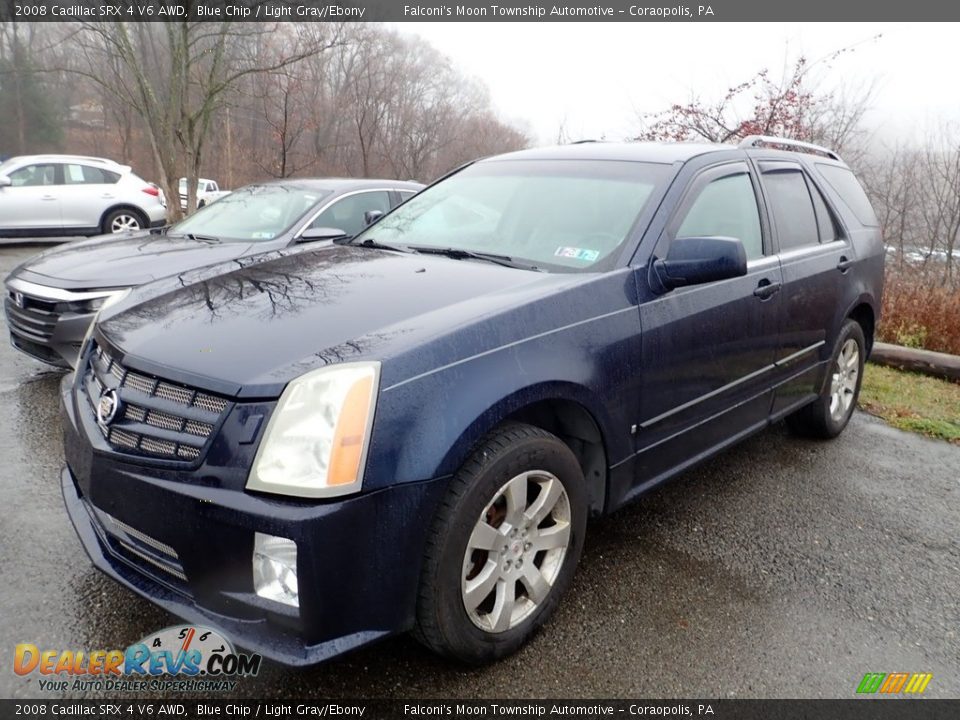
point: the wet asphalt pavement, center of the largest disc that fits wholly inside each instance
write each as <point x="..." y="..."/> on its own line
<point x="783" y="568"/>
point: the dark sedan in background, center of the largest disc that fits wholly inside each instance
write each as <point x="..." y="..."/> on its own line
<point x="51" y="298"/>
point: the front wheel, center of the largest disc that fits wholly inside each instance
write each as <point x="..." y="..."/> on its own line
<point x="504" y="546"/>
<point x="829" y="414"/>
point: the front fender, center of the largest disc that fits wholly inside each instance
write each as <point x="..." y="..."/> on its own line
<point x="427" y="426"/>
<point x="515" y="401"/>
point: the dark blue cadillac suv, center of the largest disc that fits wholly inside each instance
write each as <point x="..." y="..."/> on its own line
<point x="314" y="449"/>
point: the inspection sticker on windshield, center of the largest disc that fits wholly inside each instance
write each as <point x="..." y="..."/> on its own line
<point x="578" y="254"/>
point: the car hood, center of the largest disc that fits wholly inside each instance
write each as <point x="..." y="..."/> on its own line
<point x="129" y="260"/>
<point x="249" y="330"/>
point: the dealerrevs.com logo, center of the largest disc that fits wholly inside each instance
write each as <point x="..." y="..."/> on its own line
<point x="180" y="657"/>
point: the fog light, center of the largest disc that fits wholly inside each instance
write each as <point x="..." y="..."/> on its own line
<point x="275" y="569"/>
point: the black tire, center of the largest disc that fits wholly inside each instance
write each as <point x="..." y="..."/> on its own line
<point x="443" y="622"/>
<point x="816" y="419"/>
<point x="127" y="216"/>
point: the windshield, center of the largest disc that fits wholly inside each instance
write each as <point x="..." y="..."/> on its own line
<point x="256" y="212"/>
<point x="559" y="215"/>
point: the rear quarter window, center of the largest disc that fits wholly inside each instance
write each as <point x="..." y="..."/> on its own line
<point x="846" y="185"/>
<point x="87" y="175"/>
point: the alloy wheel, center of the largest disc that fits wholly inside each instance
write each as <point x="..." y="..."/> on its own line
<point x="124" y="222"/>
<point x="516" y="551"/>
<point x="843" y="382"/>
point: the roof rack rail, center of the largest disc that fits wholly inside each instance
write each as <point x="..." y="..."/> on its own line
<point x="62" y="157"/>
<point x="105" y="161"/>
<point x="756" y="140"/>
<point x="584" y="141"/>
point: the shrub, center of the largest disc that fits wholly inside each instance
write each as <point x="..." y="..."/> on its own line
<point x="918" y="311"/>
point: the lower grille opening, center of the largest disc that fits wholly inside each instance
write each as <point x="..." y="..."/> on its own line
<point x="41" y="352"/>
<point x="146" y="558"/>
<point x="140" y="550"/>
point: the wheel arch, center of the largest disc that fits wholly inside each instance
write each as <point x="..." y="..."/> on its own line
<point x="865" y="314"/>
<point x="563" y="409"/>
<point x="144" y="219"/>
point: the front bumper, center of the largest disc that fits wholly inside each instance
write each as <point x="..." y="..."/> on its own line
<point x="46" y="334"/>
<point x="184" y="541"/>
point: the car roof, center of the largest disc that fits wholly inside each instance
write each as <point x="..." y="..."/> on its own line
<point x="67" y="158"/>
<point x="339" y="184"/>
<point x="655" y="152"/>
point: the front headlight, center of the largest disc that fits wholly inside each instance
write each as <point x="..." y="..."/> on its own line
<point x="316" y="441"/>
<point x="106" y="300"/>
<point x="103" y="303"/>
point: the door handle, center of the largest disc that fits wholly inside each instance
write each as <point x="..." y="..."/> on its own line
<point x="766" y="289"/>
<point x="49" y="197"/>
<point x="844" y="264"/>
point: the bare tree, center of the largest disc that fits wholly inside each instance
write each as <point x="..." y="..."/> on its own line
<point x="941" y="175"/>
<point x="411" y="113"/>
<point x="31" y="113"/>
<point x="915" y="190"/>
<point x="289" y="121"/>
<point x="176" y="75"/>
<point x="892" y="177"/>
<point x="248" y="100"/>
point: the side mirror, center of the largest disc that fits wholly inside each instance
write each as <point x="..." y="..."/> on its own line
<point x="693" y="261"/>
<point x="5" y="181"/>
<point x="371" y="216"/>
<point x="321" y="233"/>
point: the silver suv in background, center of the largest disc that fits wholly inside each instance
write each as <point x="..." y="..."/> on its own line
<point x="75" y="195"/>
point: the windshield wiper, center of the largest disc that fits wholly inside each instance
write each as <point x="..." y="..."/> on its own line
<point x="202" y="238"/>
<point x="461" y="254"/>
<point x="197" y="238"/>
<point x="376" y="245"/>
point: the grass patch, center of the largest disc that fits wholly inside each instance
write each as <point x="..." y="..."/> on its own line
<point x="913" y="402"/>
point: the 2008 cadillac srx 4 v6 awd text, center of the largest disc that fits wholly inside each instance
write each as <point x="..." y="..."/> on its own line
<point x="320" y="447"/>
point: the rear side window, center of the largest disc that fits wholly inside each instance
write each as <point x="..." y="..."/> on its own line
<point x="348" y="214"/>
<point x="792" y="209"/>
<point x="726" y="207"/>
<point x="850" y="191"/>
<point x="87" y="175"/>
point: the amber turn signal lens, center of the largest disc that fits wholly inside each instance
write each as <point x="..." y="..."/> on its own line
<point x="351" y="430"/>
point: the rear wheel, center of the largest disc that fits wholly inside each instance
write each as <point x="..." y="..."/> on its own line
<point x="504" y="546"/>
<point x="829" y="414"/>
<point x="123" y="220"/>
